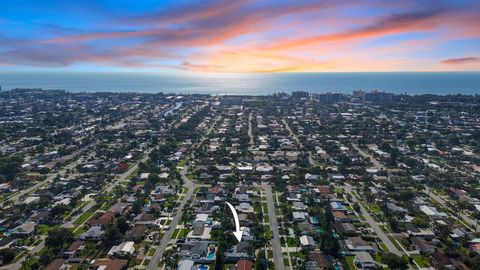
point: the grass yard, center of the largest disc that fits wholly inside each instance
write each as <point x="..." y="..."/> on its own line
<point x="175" y="233"/>
<point x="79" y="231"/>
<point x="84" y="217"/>
<point x="384" y="247"/>
<point x="421" y="260"/>
<point x="151" y="252"/>
<point x="183" y="233"/>
<point x="375" y="209"/>
<point x="268" y="233"/>
<point x="182" y="163"/>
<point x="350" y="264"/>
<point x="43" y="228"/>
<point x="292" y="242"/>
<point x="395" y="243"/>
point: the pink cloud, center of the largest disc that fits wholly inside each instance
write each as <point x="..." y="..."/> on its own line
<point x="250" y="36"/>
<point x="461" y="61"/>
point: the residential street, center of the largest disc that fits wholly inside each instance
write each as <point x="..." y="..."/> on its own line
<point x="173" y="225"/>
<point x="311" y="160"/>
<point x="465" y="218"/>
<point x="141" y="180"/>
<point x="373" y="224"/>
<point x="276" y="245"/>
<point x="85" y="208"/>
<point x="15" y="197"/>
<point x="250" y="134"/>
<point x="377" y="165"/>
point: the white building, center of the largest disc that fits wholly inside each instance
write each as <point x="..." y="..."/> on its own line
<point x="307" y="241"/>
<point x="432" y="211"/>
<point x="125" y="249"/>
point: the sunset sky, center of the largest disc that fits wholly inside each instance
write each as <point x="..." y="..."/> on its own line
<point x="239" y="36"/>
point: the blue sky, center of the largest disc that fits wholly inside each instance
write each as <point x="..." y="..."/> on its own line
<point x="239" y="36"/>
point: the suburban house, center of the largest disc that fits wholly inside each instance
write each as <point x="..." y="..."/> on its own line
<point x="363" y="260"/>
<point x="26" y="229"/>
<point x="124" y="250"/>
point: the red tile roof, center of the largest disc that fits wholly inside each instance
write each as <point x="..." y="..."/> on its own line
<point x="324" y="189"/>
<point x="244" y="265"/>
<point x="55" y="264"/>
<point x="76" y="245"/>
<point x="115" y="264"/>
<point x="104" y="219"/>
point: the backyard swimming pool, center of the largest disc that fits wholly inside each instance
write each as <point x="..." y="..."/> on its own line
<point x="211" y="255"/>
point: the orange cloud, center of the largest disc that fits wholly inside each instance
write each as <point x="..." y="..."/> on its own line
<point x="250" y="36"/>
<point x="339" y="50"/>
<point x="395" y="24"/>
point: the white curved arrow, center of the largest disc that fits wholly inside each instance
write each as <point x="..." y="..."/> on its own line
<point x="238" y="234"/>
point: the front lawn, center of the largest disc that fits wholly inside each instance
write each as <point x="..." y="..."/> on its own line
<point x="350" y="264"/>
<point x="421" y="260"/>
<point x="84" y="217"/>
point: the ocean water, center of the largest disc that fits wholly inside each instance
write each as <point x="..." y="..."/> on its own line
<point x="441" y="83"/>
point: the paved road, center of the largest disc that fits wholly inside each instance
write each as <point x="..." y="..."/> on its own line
<point x="250" y="133"/>
<point x="85" y="208"/>
<point x="311" y="160"/>
<point x="204" y="137"/>
<point x="16" y="197"/>
<point x="293" y="135"/>
<point x="377" y="165"/>
<point x="176" y="219"/>
<point x="373" y="224"/>
<point x="191" y="113"/>
<point x="464" y="217"/>
<point x="173" y="225"/>
<point x="17" y="265"/>
<point x="108" y="188"/>
<point x="272" y="217"/>
<point x="124" y="175"/>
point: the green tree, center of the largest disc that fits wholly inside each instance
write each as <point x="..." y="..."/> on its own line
<point x="57" y="238"/>
<point x="171" y="257"/>
<point x="394" y="262"/>
<point x="58" y="210"/>
<point x="261" y="263"/>
<point x="7" y="255"/>
<point x="420" y="222"/>
<point x="329" y="244"/>
<point x="10" y="166"/>
<point x="122" y="225"/>
<point x="112" y="234"/>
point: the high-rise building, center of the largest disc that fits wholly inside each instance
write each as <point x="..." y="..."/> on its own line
<point x="358" y="94"/>
<point x="378" y="96"/>
<point x="300" y="94"/>
<point x="330" y="97"/>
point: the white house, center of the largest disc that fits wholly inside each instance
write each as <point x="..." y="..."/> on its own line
<point x="363" y="260"/>
<point x="125" y="249"/>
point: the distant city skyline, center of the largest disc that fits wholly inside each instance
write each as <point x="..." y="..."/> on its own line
<point x="239" y="36"/>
